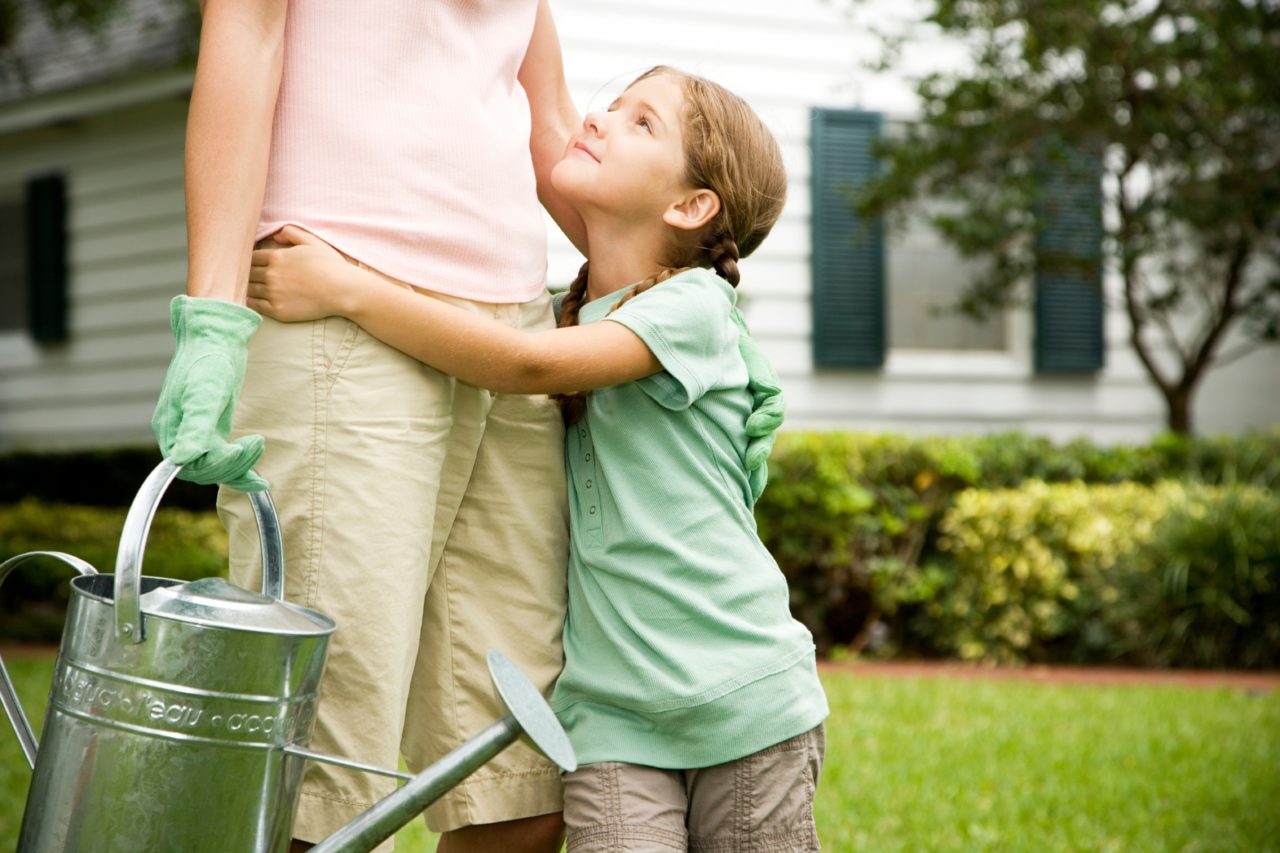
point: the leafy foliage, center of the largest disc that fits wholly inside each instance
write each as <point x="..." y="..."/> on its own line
<point x="1005" y="547"/>
<point x="182" y="544"/>
<point x="1206" y="586"/>
<point x="1178" y="103"/>
<point x="1029" y="567"/>
<point x="108" y="478"/>
<point x="871" y="533"/>
<point x="838" y="508"/>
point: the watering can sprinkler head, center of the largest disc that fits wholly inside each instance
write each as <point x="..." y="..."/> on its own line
<point x="527" y="713"/>
<point x="525" y="705"/>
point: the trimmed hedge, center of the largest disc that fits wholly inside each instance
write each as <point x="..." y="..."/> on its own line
<point x="112" y="477"/>
<point x="1174" y="574"/>
<point x="1205" y="588"/>
<point x="1029" y="568"/>
<point x="855" y="522"/>
<point x="1002" y="547"/>
<point x="182" y="544"/>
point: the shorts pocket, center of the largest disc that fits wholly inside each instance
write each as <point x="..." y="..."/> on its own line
<point x="334" y="340"/>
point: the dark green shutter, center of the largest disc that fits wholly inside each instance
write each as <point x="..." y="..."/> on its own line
<point x="47" y="258"/>
<point x="13" y="265"/>
<point x="848" y="252"/>
<point x="1069" y="309"/>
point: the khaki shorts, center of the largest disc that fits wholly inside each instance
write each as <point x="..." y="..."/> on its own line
<point x="429" y="519"/>
<point x="763" y="802"/>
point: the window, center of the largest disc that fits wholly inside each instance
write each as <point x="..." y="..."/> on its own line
<point x="926" y="277"/>
<point x="860" y="296"/>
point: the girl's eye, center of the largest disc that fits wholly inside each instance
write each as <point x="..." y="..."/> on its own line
<point x="644" y="122"/>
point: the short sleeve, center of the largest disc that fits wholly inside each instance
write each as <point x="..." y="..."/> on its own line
<point x="686" y="323"/>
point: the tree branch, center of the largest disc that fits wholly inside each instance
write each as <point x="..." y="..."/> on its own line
<point x="1129" y="274"/>
<point x="1228" y="313"/>
<point x="1161" y="319"/>
<point x="1234" y="355"/>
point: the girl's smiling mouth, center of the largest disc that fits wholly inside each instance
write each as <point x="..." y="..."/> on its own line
<point x="578" y="146"/>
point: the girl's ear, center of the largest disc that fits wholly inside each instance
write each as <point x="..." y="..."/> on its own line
<point x="693" y="211"/>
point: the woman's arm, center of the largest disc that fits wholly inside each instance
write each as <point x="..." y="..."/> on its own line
<point x="228" y="139"/>
<point x="554" y="120"/>
<point x="310" y="280"/>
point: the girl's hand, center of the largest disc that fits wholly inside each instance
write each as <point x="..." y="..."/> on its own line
<point x="304" y="281"/>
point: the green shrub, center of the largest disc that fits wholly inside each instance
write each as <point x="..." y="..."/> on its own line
<point x="1032" y="565"/>
<point x="1204" y="591"/>
<point x="840" y="507"/>
<point x="183" y="545"/>
<point x="1168" y="575"/>
<point x="856" y="522"/>
<point x="1249" y="459"/>
<point x="853" y="518"/>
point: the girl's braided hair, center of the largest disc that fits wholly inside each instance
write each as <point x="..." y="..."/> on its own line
<point x="730" y="151"/>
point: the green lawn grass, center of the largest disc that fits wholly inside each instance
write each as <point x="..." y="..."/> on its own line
<point x="943" y="765"/>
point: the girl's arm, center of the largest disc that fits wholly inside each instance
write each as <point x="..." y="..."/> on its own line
<point x="310" y="280"/>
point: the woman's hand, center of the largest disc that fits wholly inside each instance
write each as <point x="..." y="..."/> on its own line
<point x="306" y="280"/>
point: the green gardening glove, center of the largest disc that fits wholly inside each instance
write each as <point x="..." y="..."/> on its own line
<point x="193" y="416"/>
<point x="767" y="407"/>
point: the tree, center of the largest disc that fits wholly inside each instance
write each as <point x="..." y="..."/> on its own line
<point x="1175" y="102"/>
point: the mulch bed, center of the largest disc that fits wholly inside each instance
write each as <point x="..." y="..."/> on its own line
<point x="27" y="651"/>
<point x="1086" y="675"/>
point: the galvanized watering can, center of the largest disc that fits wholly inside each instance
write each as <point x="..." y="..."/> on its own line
<point x="180" y="713"/>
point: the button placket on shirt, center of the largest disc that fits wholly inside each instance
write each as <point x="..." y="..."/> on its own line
<point x="589" y="494"/>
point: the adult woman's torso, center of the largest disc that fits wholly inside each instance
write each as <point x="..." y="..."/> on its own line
<point x="401" y="137"/>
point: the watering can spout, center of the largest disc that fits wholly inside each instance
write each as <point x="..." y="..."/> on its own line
<point x="527" y="712"/>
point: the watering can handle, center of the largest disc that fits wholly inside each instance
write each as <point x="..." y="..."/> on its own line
<point x="137" y="524"/>
<point x="8" y="695"/>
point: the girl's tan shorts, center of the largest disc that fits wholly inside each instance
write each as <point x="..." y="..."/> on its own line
<point x="763" y="802"/>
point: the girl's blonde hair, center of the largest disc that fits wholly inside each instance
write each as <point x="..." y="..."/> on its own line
<point x="730" y="151"/>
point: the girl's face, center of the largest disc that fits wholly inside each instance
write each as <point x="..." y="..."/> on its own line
<point x="629" y="160"/>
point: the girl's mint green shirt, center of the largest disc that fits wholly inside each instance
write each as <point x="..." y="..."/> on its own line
<point x="680" y="648"/>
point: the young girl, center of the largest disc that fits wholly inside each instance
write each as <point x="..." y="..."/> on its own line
<point x="689" y="692"/>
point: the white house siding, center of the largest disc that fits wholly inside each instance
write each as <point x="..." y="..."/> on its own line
<point x="786" y="58"/>
<point x="127" y="257"/>
<point x="128" y="253"/>
<point x="1242" y="395"/>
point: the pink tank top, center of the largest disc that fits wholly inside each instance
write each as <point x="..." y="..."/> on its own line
<point x="402" y="137"/>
